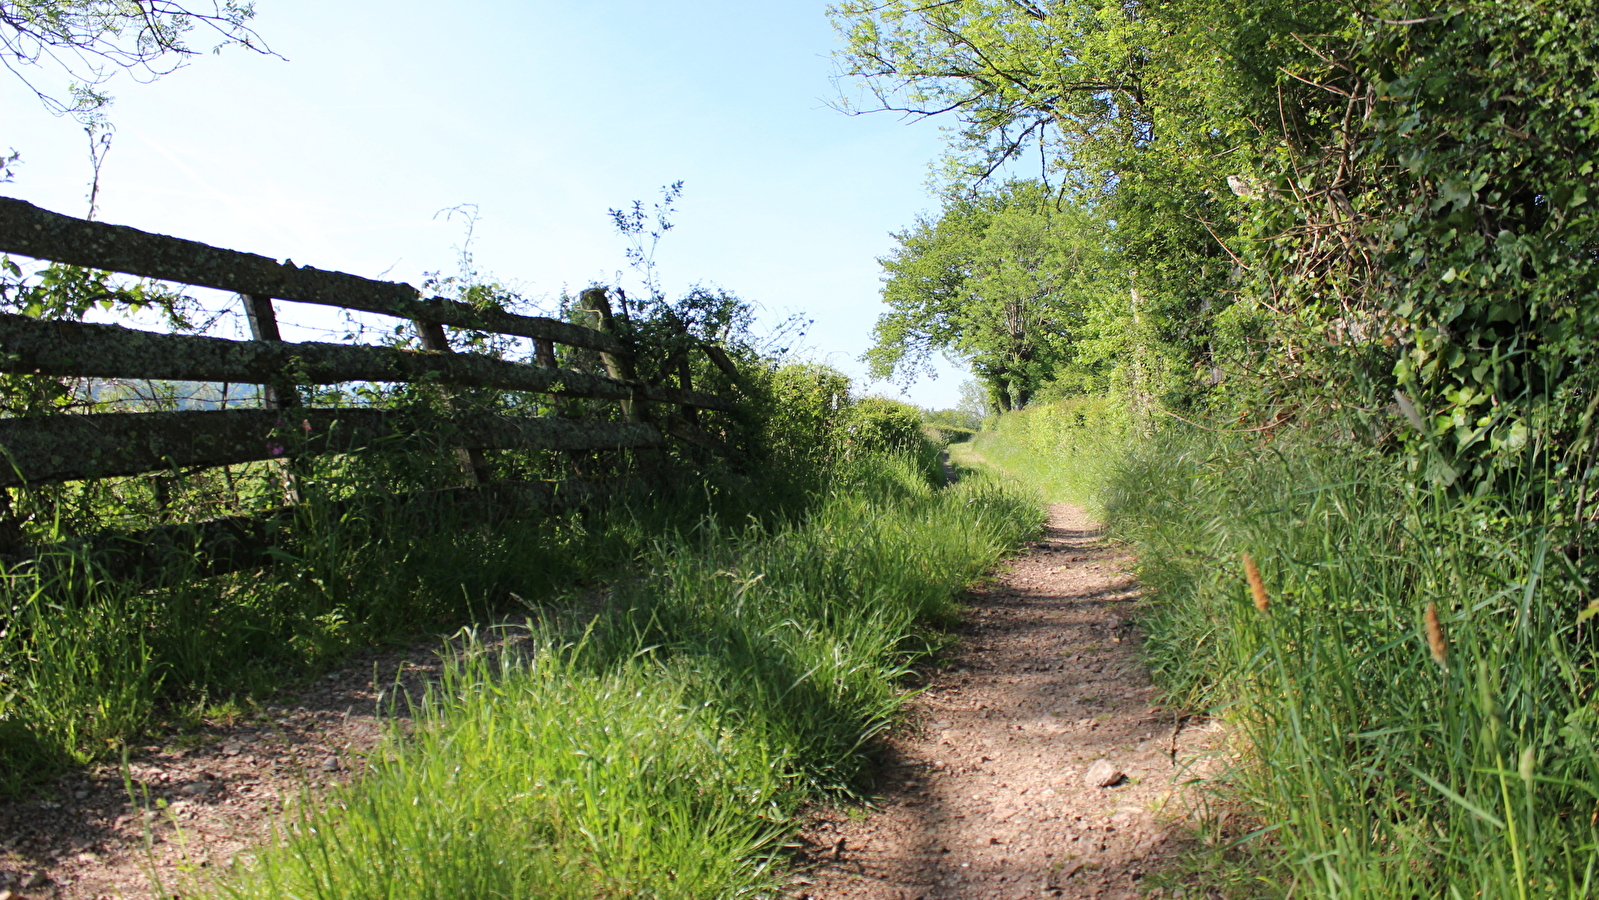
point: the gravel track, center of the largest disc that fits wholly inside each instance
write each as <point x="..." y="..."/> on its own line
<point x="1039" y="763"/>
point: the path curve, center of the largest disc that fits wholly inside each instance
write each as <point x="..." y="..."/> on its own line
<point x="993" y="791"/>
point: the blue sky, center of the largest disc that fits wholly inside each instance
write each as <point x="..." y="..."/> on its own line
<point x="545" y="115"/>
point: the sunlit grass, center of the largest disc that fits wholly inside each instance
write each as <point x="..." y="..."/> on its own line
<point x="663" y="751"/>
<point x="1387" y="758"/>
<point x="1065" y="451"/>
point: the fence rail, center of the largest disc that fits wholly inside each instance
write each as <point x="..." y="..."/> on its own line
<point x="49" y="449"/>
<point x="57" y="448"/>
<point x="41" y="234"/>
<point x="32" y="346"/>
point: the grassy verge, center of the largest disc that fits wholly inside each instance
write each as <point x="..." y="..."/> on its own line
<point x="1410" y="677"/>
<point x="1411" y="685"/>
<point x="88" y="662"/>
<point x="664" y="751"/>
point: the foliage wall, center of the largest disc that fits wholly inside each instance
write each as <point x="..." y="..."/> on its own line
<point x="1372" y="217"/>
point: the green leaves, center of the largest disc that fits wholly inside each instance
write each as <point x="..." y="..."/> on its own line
<point x="1005" y="280"/>
<point x="1315" y="205"/>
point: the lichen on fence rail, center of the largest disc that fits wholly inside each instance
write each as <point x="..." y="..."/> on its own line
<point x="66" y="447"/>
<point x="29" y="345"/>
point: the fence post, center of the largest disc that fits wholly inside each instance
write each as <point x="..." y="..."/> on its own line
<point x="474" y="469"/>
<point x="11" y="541"/>
<point x="618" y="367"/>
<point x="685" y="380"/>
<point x="621" y="369"/>
<point x="720" y="359"/>
<point x="544" y="352"/>
<point x="281" y="393"/>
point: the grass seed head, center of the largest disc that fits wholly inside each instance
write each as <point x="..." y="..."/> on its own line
<point x="1257" y="588"/>
<point x="1435" y="637"/>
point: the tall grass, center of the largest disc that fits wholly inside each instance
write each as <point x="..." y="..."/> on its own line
<point x="664" y="750"/>
<point x="88" y="662"/>
<point x="1416" y="698"/>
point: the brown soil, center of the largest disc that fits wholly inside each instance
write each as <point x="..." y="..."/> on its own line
<point x="988" y="794"/>
<point x="191" y="811"/>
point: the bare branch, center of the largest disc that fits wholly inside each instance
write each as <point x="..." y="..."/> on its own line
<point x="92" y="40"/>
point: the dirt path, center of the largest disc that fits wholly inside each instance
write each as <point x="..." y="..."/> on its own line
<point x="985" y="796"/>
<point x="1038" y="764"/>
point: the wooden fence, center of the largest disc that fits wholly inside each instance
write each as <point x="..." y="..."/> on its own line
<point x="73" y="447"/>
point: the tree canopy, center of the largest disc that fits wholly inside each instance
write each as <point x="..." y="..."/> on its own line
<point x="1004" y="280"/>
<point x="1138" y="112"/>
<point x="1321" y="210"/>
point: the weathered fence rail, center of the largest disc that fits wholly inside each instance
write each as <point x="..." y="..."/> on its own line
<point x="57" y="448"/>
<point x="41" y="234"/>
<point x="112" y="351"/>
<point x="48" y="449"/>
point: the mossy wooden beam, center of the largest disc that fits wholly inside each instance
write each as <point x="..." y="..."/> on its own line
<point x="30" y="231"/>
<point x="76" y="349"/>
<point x="57" y="448"/>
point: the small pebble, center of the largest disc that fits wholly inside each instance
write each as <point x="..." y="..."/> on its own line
<point x="1103" y="774"/>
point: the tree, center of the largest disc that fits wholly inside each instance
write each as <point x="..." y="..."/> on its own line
<point x="91" y="40"/>
<point x="1327" y="208"/>
<point x="1142" y="110"/>
<point x="1000" y="280"/>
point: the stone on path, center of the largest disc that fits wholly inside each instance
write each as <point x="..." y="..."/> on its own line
<point x="1103" y="774"/>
